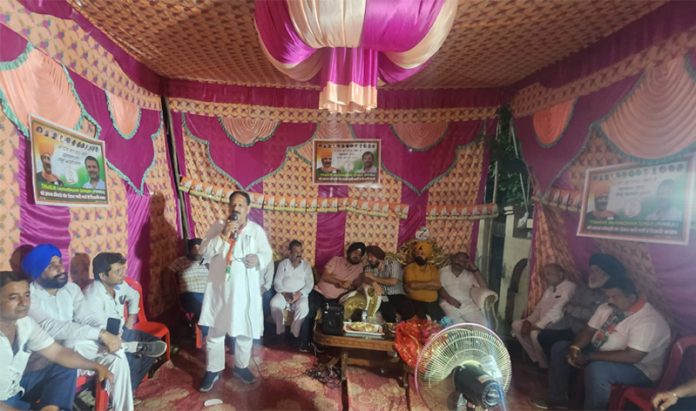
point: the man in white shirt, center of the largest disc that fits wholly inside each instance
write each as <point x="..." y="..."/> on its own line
<point x="238" y="251"/>
<point x="625" y="342"/>
<point x="293" y="282"/>
<point x="59" y="308"/>
<point x="547" y="311"/>
<point x="105" y="298"/>
<point x="52" y="387"/>
<point x="457" y="280"/>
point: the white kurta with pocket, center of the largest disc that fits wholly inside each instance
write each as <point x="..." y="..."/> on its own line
<point x="232" y="301"/>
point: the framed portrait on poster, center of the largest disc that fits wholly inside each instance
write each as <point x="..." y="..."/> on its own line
<point x="649" y="203"/>
<point x="346" y="162"/>
<point x="68" y="168"/>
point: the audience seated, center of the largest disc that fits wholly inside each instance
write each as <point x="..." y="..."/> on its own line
<point x="341" y="274"/>
<point x="547" y="311"/>
<point x="457" y="279"/>
<point x="107" y="299"/>
<point x="682" y="397"/>
<point x="59" y="308"/>
<point x="387" y="274"/>
<point x="422" y="282"/>
<point x="51" y="387"/>
<point x="192" y="276"/>
<point x="625" y="342"/>
<point x="583" y="303"/>
<point x="293" y="283"/>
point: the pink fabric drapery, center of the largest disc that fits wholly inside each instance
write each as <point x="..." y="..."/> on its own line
<point x="644" y="125"/>
<point x="550" y="122"/>
<point x="360" y="43"/>
<point x="420" y="136"/>
<point x="125" y="115"/>
<point x="39" y="86"/>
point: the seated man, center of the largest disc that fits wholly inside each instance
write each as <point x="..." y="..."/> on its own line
<point x="192" y="275"/>
<point x="422" y="282"/>
<point x="50" y="388"/>
<point x="389" y="275"/>
<point x="341" y="274"/>
<point x="583" y="303"/>
<point x="625" y="342"/>
<point x="105" y="299"/>
<point x="59" y="308"/>
<point x="455" y="295"/>
<point x="293" y="283"/>
<point x="547" y="311"/>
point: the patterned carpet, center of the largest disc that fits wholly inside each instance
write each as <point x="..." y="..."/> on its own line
<point x="283" y="386"/>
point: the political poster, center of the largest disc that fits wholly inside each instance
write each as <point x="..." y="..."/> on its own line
<point x="67" y="167"/>
<point x="346" y="162"/>
<point x="649" y="203"/>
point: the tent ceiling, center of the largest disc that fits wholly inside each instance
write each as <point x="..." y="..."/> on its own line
<point x="492" y="43"/>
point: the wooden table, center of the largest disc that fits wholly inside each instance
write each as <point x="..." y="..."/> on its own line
<point x="352" y="345"/>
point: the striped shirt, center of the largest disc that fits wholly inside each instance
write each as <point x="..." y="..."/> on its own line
<point x="193" y="275"/>
<point x="392" y="269"/>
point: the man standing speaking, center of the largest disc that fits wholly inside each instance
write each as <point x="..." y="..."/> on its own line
<point x="237" y="250"/>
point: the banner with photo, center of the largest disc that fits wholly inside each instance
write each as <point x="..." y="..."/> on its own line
<point x="346" y="161"/>
<point x="67" y="167"/>
<point x="649" y="203"/>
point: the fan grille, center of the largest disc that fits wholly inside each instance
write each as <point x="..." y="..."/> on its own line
<point x="453" y="347"/>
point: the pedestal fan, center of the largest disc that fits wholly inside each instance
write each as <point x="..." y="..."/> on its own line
<point x="463" y="366"/>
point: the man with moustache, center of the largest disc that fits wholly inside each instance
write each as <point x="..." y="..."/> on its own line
<point x="341" y="274"/>
<point x="422" y="282"/>
<point x="60" y="308"/>
<point x="49" y="388"/>
<point x="389" y="275"/>
<point x="458" y="278"/>
<point x="92" y="167"/>
<point x="293" y="282"/>
<point x="46" y="149"/>
<point x="238" y="252"/>
<point x="583" y="303"/>
<point x="106" y="299"/>
<point x="625" y="342"/>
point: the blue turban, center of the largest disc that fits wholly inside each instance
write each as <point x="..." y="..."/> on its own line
<point x="38" y="259"/>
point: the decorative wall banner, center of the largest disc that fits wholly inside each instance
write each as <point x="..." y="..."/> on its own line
<point x="68" y="168"/>
<point x="650" y="203"/>
<point x="346" y="161"/>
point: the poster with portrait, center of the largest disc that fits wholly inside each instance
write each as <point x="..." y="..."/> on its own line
<point x="649" y="203"/>
<point x="346" y="161"/>
<point x="67" y="167"/>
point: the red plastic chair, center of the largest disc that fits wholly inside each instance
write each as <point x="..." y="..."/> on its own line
<point x="642" y="396"/>
<point x="101" y="397"/>
<point x="159" y="330"/>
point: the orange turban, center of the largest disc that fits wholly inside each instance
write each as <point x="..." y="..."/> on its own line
<point x="425" y="247"/>
<point x="601" y="188"/>
<point x="45" y="145"/>
<point x="324" y="152"/>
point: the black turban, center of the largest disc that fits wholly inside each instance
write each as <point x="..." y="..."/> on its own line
<point x="357" y="246"/>
<point x="609" y="264"/>
<point x="376" y="251"/>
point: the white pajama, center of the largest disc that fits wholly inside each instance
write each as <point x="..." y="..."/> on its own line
<point x="215" y="349"/>
<point x="299" y="308"/>
<point x="530" y="343"/>
<point x="121" y="392"/>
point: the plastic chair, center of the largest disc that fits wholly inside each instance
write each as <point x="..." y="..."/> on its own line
<point x="642" y="396"/>
<point x="159" y="330"/>
<point x="101" y="397"/>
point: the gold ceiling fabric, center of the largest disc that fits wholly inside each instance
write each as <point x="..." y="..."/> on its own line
<point x="73" y="47"/>
<point x="643" y="124"/>
<point x="173" y="38"/>
<point x="306" y="115"/>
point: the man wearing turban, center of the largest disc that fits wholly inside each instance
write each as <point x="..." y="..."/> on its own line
<point x="46" y="148"/>
<point x="600" y="192"/>
<point x="389" y="275"/>
<point x="325" y="155"/>
<point x="422" y="282"/>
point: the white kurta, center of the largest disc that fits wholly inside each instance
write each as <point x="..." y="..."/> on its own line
<point x="232" y="301"/>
